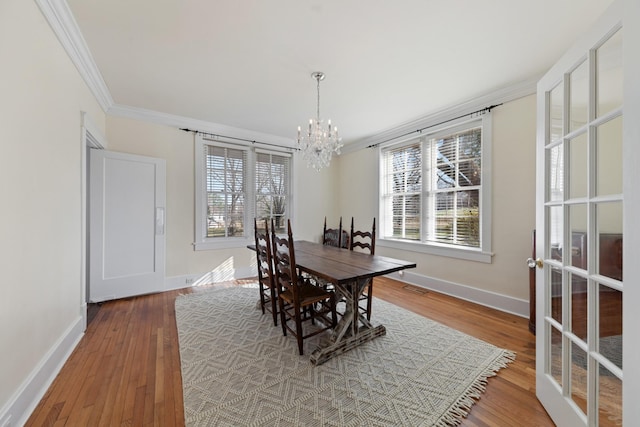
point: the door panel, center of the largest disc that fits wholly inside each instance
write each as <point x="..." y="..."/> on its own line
<point x="126" y="216"/>
<point x="579" y="211"/>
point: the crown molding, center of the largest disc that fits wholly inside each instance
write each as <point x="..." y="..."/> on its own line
<point x="63" y="24"/>
<point x="511" y="93"/>
<point x="188" y="123"/>
<point x="65" y="27"/>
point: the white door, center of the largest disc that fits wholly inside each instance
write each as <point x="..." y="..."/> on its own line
<point x="580" y="234"/>
<point x="126" y="223"/>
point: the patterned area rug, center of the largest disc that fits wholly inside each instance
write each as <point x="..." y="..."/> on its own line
<point x="239" y="370"/>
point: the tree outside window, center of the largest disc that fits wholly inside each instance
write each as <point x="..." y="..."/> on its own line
<point x="432" y="188"/>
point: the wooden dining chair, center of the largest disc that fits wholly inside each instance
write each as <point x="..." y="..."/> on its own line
<point x="335" y="236"/>
<point x="299" y="300"/>
<point x="266" y="278"/>
<point x="365" y="241"/>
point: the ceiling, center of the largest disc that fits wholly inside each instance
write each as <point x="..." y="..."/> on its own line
<point x="248" y="64"/>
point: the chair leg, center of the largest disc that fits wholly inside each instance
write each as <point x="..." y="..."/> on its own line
<point x="369" y="298"/>
<point x="283" y="318"/>
<point x="274" y="306"/>
<point x="262" y="301"/>
<point x="299" y="331"/>
<point x="334" y="313"/>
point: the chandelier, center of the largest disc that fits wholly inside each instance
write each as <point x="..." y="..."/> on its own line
<point x="319" y="144"/>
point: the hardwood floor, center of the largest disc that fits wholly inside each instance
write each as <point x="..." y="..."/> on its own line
<point x="126" y="369"/>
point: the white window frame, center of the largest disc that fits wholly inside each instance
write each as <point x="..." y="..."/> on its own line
<point x="257" y="151"/>
<point x="201" y="241"/>
<point x="481" y="254"/>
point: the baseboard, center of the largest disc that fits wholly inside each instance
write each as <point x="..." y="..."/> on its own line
<point x="17" y="411"/>
<point x="505" y="303"/>
<point x="191" y="280"/>
<point x="83" y="315"/>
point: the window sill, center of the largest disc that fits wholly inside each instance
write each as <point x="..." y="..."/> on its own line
<point x="220" y="243"/>
<point x="432" y="249"/>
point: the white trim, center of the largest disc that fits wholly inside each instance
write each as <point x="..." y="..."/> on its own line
<point x="61" y="20"/>
<point x="484" y="252"/>
<point x="63" y="24"/>
<point x="631" y="227"/>
<point x="436" y="131"/>
<point x="223" y="144"/>
<point x="92" y="137"/>
<point x="201" y="242"/>
<point x="202" y="279"/>
<point x="274" y="152"/>
<point x="182" y="122"/>
<point x="500" y="96"/>
<point x="555" y="395"/>
<point x="26" y="398"/>
<point x="95" y="137"/>
<point x="505" y="303"/>
<point x="223" y="243"/>
<point x="486" y="201"/>
<point x="435" y="249"/>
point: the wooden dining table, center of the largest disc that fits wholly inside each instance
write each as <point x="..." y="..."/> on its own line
<point x="349" y="272"/>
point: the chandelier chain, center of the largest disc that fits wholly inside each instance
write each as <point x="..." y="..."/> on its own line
<point x="318" y="104"/>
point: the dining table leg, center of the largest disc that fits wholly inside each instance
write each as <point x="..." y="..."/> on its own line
<point x="353" y="328"/>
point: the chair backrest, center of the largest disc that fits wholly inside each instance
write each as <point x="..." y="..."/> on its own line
<point x="263" y="254"/>
<point x="284" y="262"/>
<point x="364" y="240"/>
<point x="335" y="236"/>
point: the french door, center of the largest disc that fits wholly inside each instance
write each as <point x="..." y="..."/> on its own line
<point x="580" y="203"/>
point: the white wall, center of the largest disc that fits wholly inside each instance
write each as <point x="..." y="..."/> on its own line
<point x="513" y="208"/>
<point x="313" y="198"/>
<point x="316" y="196"/>
<point x="40" y="178"/>
<point x="41" y="304"/>
<point x="349" y="188"/>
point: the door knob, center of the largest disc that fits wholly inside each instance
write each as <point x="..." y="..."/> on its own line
<point x="531" y="263"/>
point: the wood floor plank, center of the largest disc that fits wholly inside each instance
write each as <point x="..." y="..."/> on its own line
<point x="126" y="369"/>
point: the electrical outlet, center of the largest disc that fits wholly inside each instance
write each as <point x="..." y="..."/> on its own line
<point x="188" y="281"/>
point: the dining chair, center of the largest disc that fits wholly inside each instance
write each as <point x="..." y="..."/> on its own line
<point x="266" y="279"/>
<point x="335" y="236"/>
<point x="365" y="241"/>
<point x="299" y="300"/>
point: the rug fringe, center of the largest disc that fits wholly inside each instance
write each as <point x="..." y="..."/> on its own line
<point x="461" y="408"/>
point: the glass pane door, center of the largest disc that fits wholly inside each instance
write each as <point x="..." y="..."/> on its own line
<point x="580" y="212"/>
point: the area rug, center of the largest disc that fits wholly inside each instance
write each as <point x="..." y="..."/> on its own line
<point x="239" y="370"/>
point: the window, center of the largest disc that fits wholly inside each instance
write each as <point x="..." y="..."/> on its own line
<point x="435" y="192"/>
<point x="272" y="188"/>
<point x="234" y="184"/>
<point x="225" y="191"/>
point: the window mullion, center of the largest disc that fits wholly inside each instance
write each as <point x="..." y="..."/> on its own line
<point x="405" y="198"/>
<point x="441" y="198"/>
<point x="227" y="200"/>
<point x="454" y="236"/>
